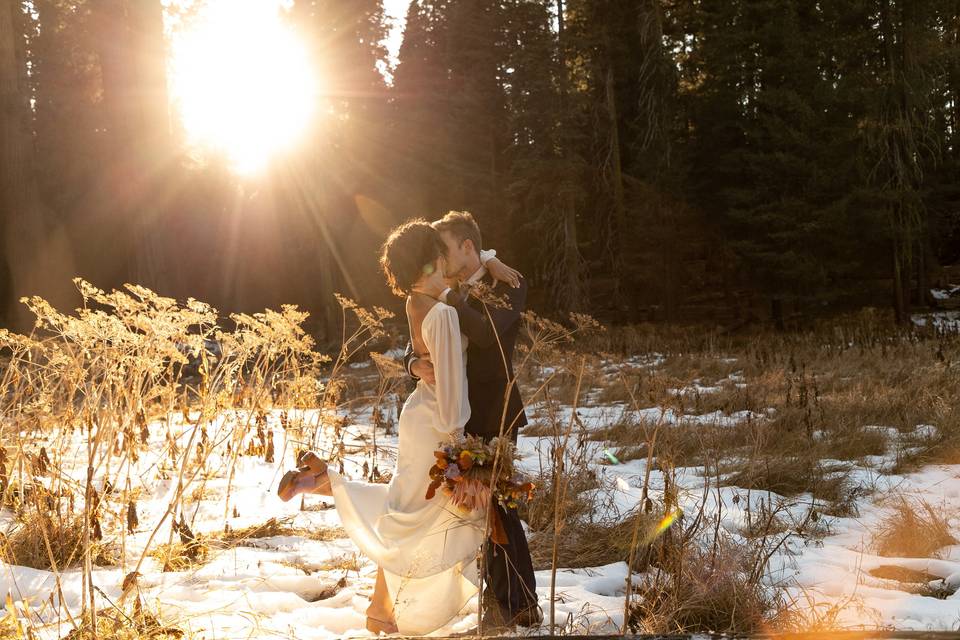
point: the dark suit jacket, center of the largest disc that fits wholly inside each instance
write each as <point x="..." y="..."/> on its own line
<point x="489" y="370"/>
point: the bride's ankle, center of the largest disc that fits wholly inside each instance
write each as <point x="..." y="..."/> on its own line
<point x="379" y="614"/>
<point x="376" y="625"/>
<point x="322" y="485"/>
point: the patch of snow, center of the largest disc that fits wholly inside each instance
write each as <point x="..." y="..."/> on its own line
<point x="939" y="294"/>
<point x="948" y="321"/>
<point x="926" y="432"/>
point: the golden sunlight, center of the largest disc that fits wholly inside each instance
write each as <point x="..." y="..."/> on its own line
<point x="242" y="82"/>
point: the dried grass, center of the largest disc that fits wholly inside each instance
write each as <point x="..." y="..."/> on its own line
<point x="117" y="625"/>
<point x="789" y="476"/>
<point x="707" y="591"/>
<point x="26" y="544"/>
<point x="590" y="544"/>
<point x="182" y="556"/>
<point x="540" y="513"/>
<point x="279" y="527"/>
<point x="913" y="528"/>
<point x="918" y="582"/>
<point x="341" y="563"/>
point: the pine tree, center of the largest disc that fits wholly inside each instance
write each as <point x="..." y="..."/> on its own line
<point x="131" y="53"/>
<point x="900" y="134"/>
<point x="35" y="256"/>
<point x="547" y="173"/>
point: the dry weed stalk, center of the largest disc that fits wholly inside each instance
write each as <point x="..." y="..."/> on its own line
<point x="913" y="528"/>
<point x="102" y="375"/>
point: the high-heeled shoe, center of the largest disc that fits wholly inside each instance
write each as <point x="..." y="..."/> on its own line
<point x="309" y="459"/>
<point x="309" y="477"/>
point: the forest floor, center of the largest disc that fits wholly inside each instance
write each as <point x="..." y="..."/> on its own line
<point x="745" y="485"/>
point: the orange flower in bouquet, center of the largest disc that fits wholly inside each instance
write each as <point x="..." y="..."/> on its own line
<point x="465" y="472"/>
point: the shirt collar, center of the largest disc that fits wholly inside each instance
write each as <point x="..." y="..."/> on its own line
<point x="477" y="276"/>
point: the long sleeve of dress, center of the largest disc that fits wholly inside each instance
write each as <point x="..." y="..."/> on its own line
<point x="441" y="333"/>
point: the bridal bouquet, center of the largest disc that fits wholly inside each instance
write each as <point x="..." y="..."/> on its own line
<point x="465" y="472"/>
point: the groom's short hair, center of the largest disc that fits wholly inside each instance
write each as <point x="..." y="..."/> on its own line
<point x="461" y="225"/>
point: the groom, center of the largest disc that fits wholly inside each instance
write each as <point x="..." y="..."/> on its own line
<point x="510" y="598"/>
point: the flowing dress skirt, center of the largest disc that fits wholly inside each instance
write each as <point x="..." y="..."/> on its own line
<point x="427" y="548"/>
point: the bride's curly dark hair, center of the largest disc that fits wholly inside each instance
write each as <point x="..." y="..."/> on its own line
<point x="408" y="251"/>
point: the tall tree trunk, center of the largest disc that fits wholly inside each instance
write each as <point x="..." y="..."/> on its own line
<point x="153" y="151"/>
<point x="133" y="68"/>
<point x="36" y="259"/>
<point x="669" y="251"/>
<point x="954" y="82"/>
<point x="615" y="169"/>
<point x="572" y="289"/>
<point x="903" y="138"/>
<point x="923" y="283"/>
<point x="656" y="88"/>
<point x="12" y="192"/>
<point x="899" y="304"/>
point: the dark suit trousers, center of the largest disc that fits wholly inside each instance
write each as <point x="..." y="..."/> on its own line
<point x="509" y="569"/>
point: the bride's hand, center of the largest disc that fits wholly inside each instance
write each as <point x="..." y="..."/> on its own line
<point x="503" y="273"/>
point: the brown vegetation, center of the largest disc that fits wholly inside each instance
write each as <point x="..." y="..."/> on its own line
<point x="913" y="528"/>
<point x="813" y="399"/>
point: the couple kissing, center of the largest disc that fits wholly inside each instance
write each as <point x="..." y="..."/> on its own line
<point x="460" y="353"/>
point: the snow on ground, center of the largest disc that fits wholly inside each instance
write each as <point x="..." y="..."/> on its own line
<point x="297" y="587"/>
<point x="942" y="320"/>
<point x="945" y="294"/>
<point x="837" y="568"/>
<point x="274" y="586"/>
<point x="599" y="417"/>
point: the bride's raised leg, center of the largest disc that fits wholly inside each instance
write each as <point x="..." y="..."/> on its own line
<point x="380" y="612"/>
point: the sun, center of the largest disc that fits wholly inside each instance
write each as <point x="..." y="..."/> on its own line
<point x="242" y="83"/>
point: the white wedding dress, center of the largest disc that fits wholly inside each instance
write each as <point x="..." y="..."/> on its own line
<point x="426" y="548"/>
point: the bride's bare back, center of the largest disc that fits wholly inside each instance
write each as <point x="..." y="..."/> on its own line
<point x="417" y="308"/>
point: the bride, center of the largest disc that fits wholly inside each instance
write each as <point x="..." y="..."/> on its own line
<point x="426" y="549"/>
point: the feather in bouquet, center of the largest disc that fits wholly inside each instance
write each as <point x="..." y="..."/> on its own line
<point x="464" y="471"/>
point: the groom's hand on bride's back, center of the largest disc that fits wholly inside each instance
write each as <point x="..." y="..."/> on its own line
<point x="422" y="368"/>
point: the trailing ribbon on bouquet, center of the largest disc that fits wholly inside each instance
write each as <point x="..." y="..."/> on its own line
<point x="497" y="532"/>
<point x="464" y="471"/>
